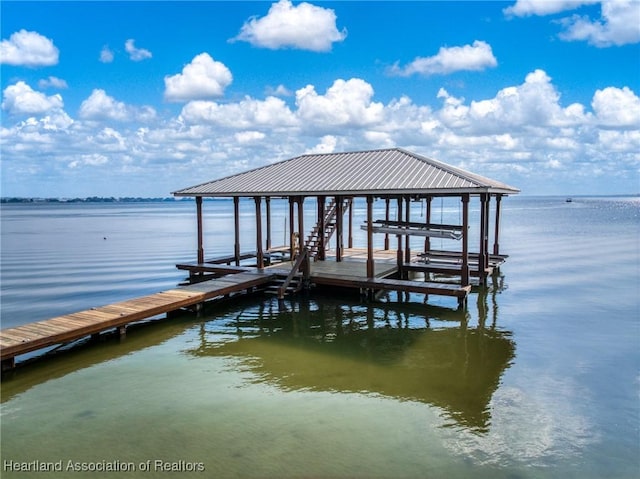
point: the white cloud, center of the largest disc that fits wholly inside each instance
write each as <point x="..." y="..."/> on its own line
<point x="136" y="54"/>
<point x="521" y="133"/>
<point x="523" y="8"/>
<point x="106" y="55"/>
<point x="280" y="90"/>
<point x="93" y="159"/>
<point x="245" y="114"/>
<point x="346" y="103"/>
<point x="100" y="106"/>
<point x="202" y="78"/>
<point x="534" y="104"/>
<point x="20" y="98"/>
<point x="305" y="27"/>
<point x="29" y="49"/>
<point x="475" y="57"/>
<point x="249" y="136"/>
<point x="53" y="82"/>
<point x="327" y="144"/>
<point x="619" y="25"/>
<point x="615" y="107"/>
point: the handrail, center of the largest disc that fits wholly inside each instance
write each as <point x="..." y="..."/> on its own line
<point x="301" y="262"/>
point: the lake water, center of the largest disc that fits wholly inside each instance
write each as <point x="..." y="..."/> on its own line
<point x="538" y="378"/>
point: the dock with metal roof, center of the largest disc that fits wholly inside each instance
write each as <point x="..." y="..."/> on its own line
<point x="334" y="181"/>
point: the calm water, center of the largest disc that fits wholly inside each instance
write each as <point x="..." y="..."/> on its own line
<point x="539" y="377"/>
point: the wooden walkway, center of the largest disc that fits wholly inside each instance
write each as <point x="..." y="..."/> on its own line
<point x="38" y="335"/>
<point x="211" y="280"/>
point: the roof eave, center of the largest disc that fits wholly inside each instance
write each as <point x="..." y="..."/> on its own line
<point x="355" y="193"/>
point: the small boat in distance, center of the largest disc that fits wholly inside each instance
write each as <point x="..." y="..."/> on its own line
<point x="568" y="200"/>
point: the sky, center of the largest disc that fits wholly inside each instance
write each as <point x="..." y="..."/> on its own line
<point x="145" y="98"/>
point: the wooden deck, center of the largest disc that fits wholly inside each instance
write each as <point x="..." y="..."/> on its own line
<point x="38" y="335"/>
<point x="221" y="280"/>
<point x="352" y="273"/>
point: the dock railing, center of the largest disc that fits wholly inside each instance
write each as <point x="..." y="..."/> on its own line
<point x="302" y="263"/>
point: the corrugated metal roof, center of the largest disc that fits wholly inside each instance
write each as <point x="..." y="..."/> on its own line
<point x="377" y="172"/>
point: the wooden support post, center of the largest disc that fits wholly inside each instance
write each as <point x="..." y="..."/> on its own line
<point x="496" y="243"/>
<point x="465" y="240"/>
<point x="321" y="228"/>
<point x="407" y="251"/>
<point x="259" y="252"/>
<point x="350" y="240"/>
<point x="487" y="206"/>
<point x="200" y="233"/>
<point x="301" y="223"/>
<point x="267" y="200"/>
<point x="291" y="231"/>
<point x="8" y="364"/>
<point x="427" y="240"/>
<point x="339" y="213"/>
<point x="122" y="332"/>
<point x="386" y="217"/>
<point x="399" y="237"/>
<point x="483" y="233"/>
<point x="370" y="262"/>
<point x="236" y="229"/>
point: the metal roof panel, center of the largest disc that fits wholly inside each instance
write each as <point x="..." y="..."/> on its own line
<point x="375" y="172"/>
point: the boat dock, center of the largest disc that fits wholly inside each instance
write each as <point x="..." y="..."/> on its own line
<point x="333" y="182"/>
<point x="211" y="280"/>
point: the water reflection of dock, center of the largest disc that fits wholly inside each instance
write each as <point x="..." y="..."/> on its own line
<point x="432" y="356"/>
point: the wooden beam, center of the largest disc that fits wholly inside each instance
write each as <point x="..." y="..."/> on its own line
<point x="386" y="217"/>
<point x="267" y="200"/>
<point x="321" y="228"/>
<point x="465" y="240"/>
<point x="483" y="231"/>
<point x="427" y="240"/>
<point x="350" y="240"/>
<point x="236" y="224"/>
<point x="339" y="213"/>
<point x="370" y="261"/>
<point x="407" y="249"/>
<point x="301" y="223"/>
<point x="259" y="251"/>
<point x="399" y="237"/>
<point x="486" y="231"/>
<point x="291" y="226"/>
<point x="200" y="232"/>
<point x="496" y="243"/>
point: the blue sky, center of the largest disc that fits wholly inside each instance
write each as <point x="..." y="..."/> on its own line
<point x="144" y="98"/>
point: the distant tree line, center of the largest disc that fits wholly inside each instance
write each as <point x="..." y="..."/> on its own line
<point x="91" y="199"/>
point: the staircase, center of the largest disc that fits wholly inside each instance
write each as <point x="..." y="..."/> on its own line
<point x="281" y="288"/>
<point x="297" y="278"/>
<point x="312" y="242"/>
<point x="284" y="285"/>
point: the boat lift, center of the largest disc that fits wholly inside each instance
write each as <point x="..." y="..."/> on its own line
<point x="432" y="230"/>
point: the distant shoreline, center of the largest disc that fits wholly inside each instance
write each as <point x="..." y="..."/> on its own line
<point x="171" y="199"/>
<point x="99" y="199"/>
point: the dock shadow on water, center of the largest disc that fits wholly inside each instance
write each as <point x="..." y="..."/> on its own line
<point x="405" y="352"/>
